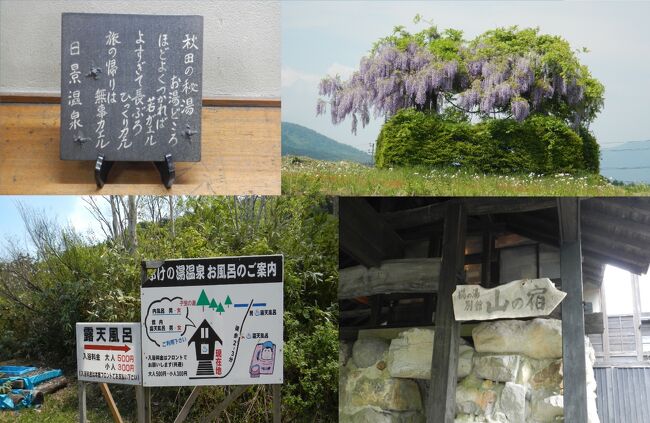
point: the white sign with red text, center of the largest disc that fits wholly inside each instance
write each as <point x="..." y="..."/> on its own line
<point x="213" y="321"/>
<point x="109" y="353"/>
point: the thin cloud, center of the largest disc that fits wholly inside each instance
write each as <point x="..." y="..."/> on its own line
<point x="290" y="76"/>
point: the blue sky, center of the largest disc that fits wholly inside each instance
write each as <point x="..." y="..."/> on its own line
<point x="330" y="37"/>
<point x="65" y="209"/>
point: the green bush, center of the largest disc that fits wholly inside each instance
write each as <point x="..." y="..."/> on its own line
<point x="540" y="144"/>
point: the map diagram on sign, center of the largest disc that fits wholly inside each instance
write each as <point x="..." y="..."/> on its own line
<point x="214" y="333"/>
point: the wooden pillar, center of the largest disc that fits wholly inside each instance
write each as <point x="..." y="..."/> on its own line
<point x="486" y="254"/>
<point x="277" y="403"/>
<point x="573" y="323"/>
<point x="442" y="391"/>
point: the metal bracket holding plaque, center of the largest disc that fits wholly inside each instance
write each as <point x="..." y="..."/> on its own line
<point x="131" y="90"/>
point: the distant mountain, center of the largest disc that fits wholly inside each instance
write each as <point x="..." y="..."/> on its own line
<point x="629" y="162"/>
<point x="298" y="140"/>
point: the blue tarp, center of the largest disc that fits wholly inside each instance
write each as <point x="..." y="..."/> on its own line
<point x="31" y="381"/>
<point x="29" y="384"/>
<point x="7" y="404"/>
<point x="15" y="370"/>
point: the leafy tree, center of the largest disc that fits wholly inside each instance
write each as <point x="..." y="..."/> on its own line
<point x="505" y="72"/>
<point x="203" y="300"/>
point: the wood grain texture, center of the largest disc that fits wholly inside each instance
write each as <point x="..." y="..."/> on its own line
<point x="414" y="275"/>
<point x="206" y="102"/>
<point x="240" y="155"/>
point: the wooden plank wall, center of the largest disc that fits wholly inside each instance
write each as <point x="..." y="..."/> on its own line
<point x="240" y="155"/>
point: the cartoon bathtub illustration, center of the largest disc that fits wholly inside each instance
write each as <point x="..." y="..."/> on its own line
<point x="263" y="359"/>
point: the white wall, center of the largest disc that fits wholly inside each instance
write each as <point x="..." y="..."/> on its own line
<point x="241" y="49"/>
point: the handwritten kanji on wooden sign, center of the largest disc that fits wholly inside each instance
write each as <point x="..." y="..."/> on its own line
<point x="520" y="298"/>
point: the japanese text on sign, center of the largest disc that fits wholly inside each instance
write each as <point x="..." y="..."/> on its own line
<point x="521" y="298"/>
<point x="109" y="352"/>
<point x="131" y="86"/>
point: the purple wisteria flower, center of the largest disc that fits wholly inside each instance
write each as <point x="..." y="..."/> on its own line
<point x="520" y="109"/>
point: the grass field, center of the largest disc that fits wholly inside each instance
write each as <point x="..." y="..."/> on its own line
<point x="304" y="175"/>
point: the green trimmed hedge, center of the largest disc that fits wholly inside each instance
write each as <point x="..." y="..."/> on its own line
<point x="540" y="144"/>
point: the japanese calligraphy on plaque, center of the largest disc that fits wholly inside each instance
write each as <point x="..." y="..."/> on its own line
<point x="131" y="87"/>
<point x="521" y="298"/>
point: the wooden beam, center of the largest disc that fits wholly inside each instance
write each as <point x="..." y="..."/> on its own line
<point x="442" y="391"/>
<point x="418" y="275"/>
<point x="106" y="392"/>
<point x="543" y="236"/>
<point x="592" y="217"/>
<point x="487" y="253"/>
<point x="573" y="322"/>
<point x="189" y="402"/>
<point x="615" y="258"/>
<point x="640" y="251"/>
<point x="207" y="102"/>
<point x="610" y="232"/>
<point x="594" y="322"/>
<point x="364" y="235"/>
<point x="233" y="395"/>
<point x="277" y="403"/>
<point x="474" y="206"/>
<point x="639" y="205"/>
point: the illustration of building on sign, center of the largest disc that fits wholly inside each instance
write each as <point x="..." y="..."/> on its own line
<point x="205" y="339"/>
<point x="263" y="359"/>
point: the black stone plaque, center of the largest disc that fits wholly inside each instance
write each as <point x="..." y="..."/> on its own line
<point x="131" y="87"/>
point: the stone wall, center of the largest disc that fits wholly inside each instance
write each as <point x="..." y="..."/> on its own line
<point x="512" y="374"/>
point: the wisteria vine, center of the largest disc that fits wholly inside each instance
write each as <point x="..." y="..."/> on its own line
<point x="477" y="81"/>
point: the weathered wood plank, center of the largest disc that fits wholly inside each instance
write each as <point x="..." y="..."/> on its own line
<point x="594" y="322"/>
<point x="416" y="275"/>
<point x="112" y="406"/>
<point x="240" y="155"/>
<point x="206" y="102"/>
<point x="442" y="392"/>
<point x="233" y="395"/>
<point x="622" y="205"/>
<point x="592" y="217"/>
<point x="474" y="206"/>
<point x="365" y="235"/>
<point x="277" y="403"/>
<point x="189" y="402"/>
<point x="573" y="323"/>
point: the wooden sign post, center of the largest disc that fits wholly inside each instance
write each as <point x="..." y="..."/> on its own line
<point x="521" y="298"/>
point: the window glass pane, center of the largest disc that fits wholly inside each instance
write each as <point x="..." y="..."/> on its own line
<point x="618" y="291"/>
